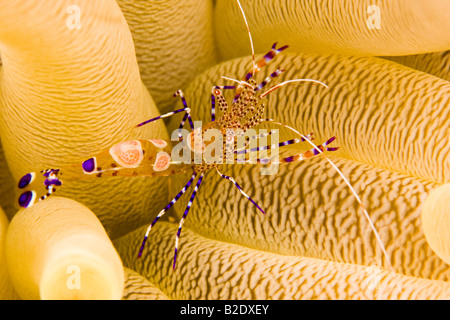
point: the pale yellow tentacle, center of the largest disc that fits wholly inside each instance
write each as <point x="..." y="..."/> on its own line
<point x="68" y="93"/>
<point x="331" y="26"/>
<point x="58" y="249"/>
<point x="7" y="291"/>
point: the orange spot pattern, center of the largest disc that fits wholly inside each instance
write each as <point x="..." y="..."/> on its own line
<point x="127" y="154"/>
<point x="162" y="161"/>
<point x="158" y="143"/>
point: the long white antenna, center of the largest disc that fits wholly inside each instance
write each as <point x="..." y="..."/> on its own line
<point x="250" y="36"/>
<point x="311" y="143"/>
<point x="242" y="82"/>
<point x="377" y="236"/>
<point x="291" y="81"/>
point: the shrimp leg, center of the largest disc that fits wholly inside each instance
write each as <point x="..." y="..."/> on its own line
<point x="188" y="207"/>
<point x="274" y="74"/>
<point x="161" y="213"/>
<point x="298" y="157"/>
<point x="240" y="189"/>
<point x="187" y="115"/>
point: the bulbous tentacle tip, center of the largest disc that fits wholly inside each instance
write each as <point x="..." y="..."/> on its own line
<point x="436" y="221"/>
<point x="50" y="254"/>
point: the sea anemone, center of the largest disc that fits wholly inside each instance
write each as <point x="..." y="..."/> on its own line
<point x="76" y="80"/>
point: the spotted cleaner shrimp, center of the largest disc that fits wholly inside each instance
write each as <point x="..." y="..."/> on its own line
<point x="153" y="158"/>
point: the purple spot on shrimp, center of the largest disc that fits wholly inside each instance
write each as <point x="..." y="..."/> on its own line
<point x="289" y="159"/>
<point x="50" y="171"/>
<point x="26" y="180"/>
<point x="89" y="165"/>
<point x="330" y="140"/>
<point x="276" y="73"/>
<point x="282" y="48"/>
<point x="50" y="182"/>
<point x="316" y="152"/>
<point x="269" y="56"/>
<point x="27" y="198"/>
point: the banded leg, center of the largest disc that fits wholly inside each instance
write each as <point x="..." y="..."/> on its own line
<point x="187" y="110"/>
<point x="161" y="213"/>
<point x="301" y="156"/>
<point x="311" y="152"/>
<point x="274" y="74"/>
<point x="265" y="60"/>
<point x="240" y="189"/>
<point x="279" y="145"/>
<point x="247" y="140"/>
<point x="187" y="115"/>
<point x="213" y="100"/>
<point x="188" y="207"/>
<point x="261" y="135"/>
<point x="257" y="67"/>
<point x="266" y="134"/>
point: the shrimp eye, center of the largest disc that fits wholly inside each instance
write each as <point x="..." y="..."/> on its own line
<point x="217" y="92"/>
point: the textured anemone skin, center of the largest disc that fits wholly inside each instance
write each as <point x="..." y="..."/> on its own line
<point x="174" y="43"/>
<point x="236" y="263"/>
<point x="47" y="239"/>
<point x="407" y="27"/>
<point x="210" y="269"/>
<point x="67" y="94"/>
<point x="137" y="287"/>
<point x="435" y="63"/>
<point x="393" y="159"/>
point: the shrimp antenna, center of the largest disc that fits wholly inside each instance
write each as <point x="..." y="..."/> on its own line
<point x="291" y="81"/>
<point x="377" y="236"/>
<point x="250" y="37"/>
<point x="244" y="83"/>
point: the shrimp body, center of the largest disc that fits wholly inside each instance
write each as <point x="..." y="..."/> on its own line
<point x="131" y="158"/>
